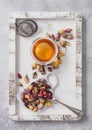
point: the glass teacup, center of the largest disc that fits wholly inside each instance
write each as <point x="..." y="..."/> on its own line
<point x="44" y="50"/>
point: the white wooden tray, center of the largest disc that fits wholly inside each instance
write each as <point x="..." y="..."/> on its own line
<point x="70" y="72"/>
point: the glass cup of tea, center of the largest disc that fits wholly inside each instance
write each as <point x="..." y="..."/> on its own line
<point x="44" y="51"/>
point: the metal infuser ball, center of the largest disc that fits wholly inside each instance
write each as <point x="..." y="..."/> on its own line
<point x="26" y="28"/>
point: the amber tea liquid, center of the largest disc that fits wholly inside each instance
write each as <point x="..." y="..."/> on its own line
<point x="44" y="50"/>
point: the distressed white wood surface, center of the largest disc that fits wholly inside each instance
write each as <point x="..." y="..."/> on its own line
<point x="65" y="115"/>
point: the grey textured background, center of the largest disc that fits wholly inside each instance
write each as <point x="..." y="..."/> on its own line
<point x="82" y="6"/>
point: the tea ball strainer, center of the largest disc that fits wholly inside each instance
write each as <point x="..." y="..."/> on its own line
<point x="26" y="28"/>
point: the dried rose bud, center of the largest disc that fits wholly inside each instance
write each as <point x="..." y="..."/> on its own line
<point x="40" y="94"/>
<point x="19" y="76"/>
<point x="27" y="90"/>
<point x="49" y="69"/>
<point x="49" y="95"/>
<point x="53" y="37"/>
<point x="35" y="109"/>
<point x="42" y="87"/>
<point x="55" y="64"/>
<point x="26" y="79"/>
<point x="70" y="37"/>
<point x="47" y="86"/>
<point x="37" y="101"/>
<point x="34" y="84"/>
<point x="58" y="46"/>
<point x="20" y="84"/>
<point x="43" y="80"/>
<point x="67" y="30"/>
<point x="61" y="31"/>
<point x="60" y="53"/>
<point x="42" y="70"/>
<point x="30" y="87"/>
<point x="68" y="43"/>
<point x="35" y="89"/>
<point x="63" y="43"/>
<point x="48" y="104"/>
<point x="31" y="107"/>
<point x="34" y="65"/>
<point x="34" y="75"/>
<point x="60" y="61"/>
<point x="64" y="35"/>
<point x="48" y="35"/>
<point x="38" y="67"/>
<point x="58" y="37"/>
<point x="40" y="106"/>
